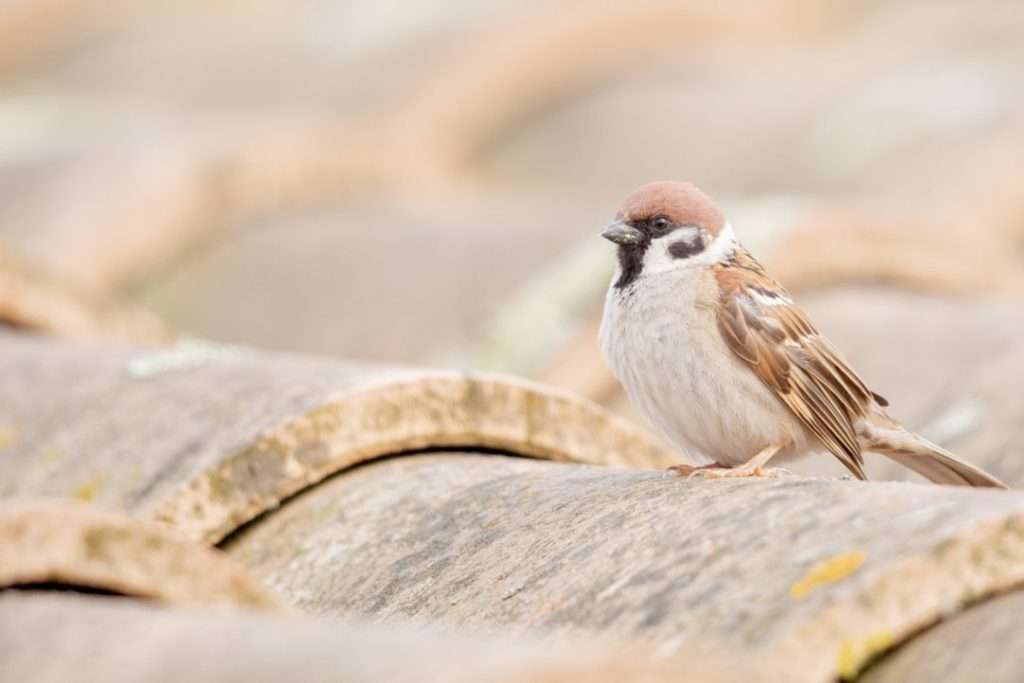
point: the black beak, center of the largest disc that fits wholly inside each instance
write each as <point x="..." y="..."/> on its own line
<point x="622" y="234"/>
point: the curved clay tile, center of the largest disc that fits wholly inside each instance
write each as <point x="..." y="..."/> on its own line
<point x="816" y="575"/>
<point x="204" y="437"/>
<point x="47" y="546"/>
<point x="979" y="644"/>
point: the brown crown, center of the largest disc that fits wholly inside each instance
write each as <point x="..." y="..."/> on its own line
<point x="683" y="203"/>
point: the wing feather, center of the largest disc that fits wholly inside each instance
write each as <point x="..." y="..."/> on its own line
<point x="788" y="354"/>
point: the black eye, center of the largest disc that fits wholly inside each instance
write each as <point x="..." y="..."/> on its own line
<point x="661" y="223"/>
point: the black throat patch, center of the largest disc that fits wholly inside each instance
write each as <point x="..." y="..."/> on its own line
<point x="631" y="262"/>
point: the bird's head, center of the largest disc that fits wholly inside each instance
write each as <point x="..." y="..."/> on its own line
<point x="665" y="225"/>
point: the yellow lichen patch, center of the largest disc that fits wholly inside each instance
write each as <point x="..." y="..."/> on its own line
<point x="8" y="436"/>
<point x="87" y="491"/>
<point x="855" y="653"/>
<point x="835" y="568"/>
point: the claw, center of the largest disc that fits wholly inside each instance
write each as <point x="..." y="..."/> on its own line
<point x="739" y="473"/>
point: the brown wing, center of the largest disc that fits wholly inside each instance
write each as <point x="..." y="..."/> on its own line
<point x="765" y="330"/>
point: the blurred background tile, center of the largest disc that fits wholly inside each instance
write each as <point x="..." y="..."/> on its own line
<point x="423" y="183"/>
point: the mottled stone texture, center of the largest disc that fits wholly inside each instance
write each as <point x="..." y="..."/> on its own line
<point x="205" y="437"/>
<point x="90" y="639"/>
<point x="126" y="428"/>
<point x="810" y="577"/>
<point x="827" y="572"/>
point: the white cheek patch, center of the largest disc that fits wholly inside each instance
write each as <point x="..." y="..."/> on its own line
<point x="658" y="258"/>
<point x="720" y="247"/>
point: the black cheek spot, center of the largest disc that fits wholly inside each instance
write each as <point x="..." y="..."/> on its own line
<point x="686" y="249"/>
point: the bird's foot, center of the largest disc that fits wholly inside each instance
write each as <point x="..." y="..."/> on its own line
<point x="740" y="472"/>
<point x="689" y="470"/>
<point x="755" y="467"/>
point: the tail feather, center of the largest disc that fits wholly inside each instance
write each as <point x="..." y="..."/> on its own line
<point x="922" y="456"/>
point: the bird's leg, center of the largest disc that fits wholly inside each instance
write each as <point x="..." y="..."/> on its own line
<point x="755" y="467"/>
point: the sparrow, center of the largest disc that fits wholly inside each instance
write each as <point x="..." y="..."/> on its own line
<point x="718" y="357"/>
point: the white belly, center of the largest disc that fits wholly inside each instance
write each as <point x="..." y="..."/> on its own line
<point x="665" y="349"/>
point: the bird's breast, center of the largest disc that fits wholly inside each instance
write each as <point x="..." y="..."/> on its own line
<point x="663" y="344"/>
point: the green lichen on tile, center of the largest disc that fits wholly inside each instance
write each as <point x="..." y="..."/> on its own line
<point x="187" y="353"/>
